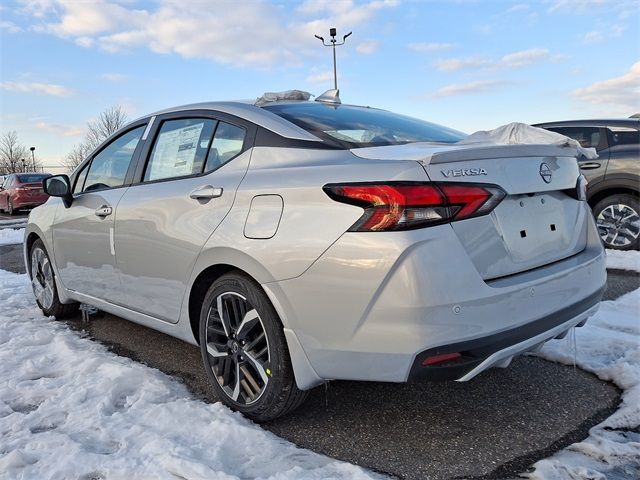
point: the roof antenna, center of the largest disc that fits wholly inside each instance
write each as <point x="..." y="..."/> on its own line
<point x="332" y="96"/>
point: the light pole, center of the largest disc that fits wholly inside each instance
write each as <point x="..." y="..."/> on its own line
<point x="23" y="170"/>
<point x="333" y="43"/>
<point x="33" y="158"/>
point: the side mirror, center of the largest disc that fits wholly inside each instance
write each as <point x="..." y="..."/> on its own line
<point x="59" y="186"/>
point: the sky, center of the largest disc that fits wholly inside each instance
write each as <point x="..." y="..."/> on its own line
<point x="469" y="65"/>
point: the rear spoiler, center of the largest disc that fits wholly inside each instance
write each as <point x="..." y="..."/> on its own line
<point x="485" y="152"/>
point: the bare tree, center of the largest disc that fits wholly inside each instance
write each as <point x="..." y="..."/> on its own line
<point x="108" y="122"/>
<point x="11" y="153"/>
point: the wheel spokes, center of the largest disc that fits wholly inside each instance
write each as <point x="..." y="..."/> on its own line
<point x="237" y="347"/>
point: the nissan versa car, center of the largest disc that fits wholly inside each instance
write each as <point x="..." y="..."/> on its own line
<point x="22" y="190"/>
<point x="614" y="177"/>
<point x="303" y="241"/>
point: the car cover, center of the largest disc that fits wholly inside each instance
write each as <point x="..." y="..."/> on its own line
<point x="523" y="134"/>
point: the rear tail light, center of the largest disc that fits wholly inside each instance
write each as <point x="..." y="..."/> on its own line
<point x="409" y="205"/>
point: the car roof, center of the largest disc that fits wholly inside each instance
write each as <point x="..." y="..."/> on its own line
<point x="610" y="122"/>
<point x="250" y="112"/>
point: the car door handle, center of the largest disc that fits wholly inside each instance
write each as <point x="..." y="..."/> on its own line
<point x="206" y="192"/>
<point x="104" y="211"/>
<point x="589" y="165"/>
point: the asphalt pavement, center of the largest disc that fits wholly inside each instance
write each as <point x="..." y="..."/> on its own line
<point x="495" y="426"/>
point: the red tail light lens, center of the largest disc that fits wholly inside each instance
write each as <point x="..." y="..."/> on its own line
<point x="409" y="205"/>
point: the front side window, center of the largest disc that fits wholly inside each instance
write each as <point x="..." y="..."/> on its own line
<point x="588" y="137"/>
<point x="108" y="168"/>
<point x="180" y="148"/>
<point x="227" y="143"/>
<point x="80" y="179"/>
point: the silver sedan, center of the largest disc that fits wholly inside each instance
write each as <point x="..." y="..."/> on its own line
<point x="303" y="241"/>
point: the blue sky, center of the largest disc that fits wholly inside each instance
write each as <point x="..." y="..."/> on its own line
<point x="469" y="65"/>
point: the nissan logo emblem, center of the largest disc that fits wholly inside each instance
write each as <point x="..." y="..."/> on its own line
<point x="545" y="173"/>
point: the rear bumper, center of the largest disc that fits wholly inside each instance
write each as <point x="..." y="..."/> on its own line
<point x="483" y="353"/>
<point x="28" y="200"/>
<point x="374" y="305"/>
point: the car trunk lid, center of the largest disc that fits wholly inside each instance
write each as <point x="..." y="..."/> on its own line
<point x="537" y="223"/>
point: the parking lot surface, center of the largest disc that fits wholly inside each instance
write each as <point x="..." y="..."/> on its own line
<point x="495" y="426"/>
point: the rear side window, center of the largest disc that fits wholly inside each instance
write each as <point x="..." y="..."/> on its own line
<point x="108" y="168"/>
<point x="180" y="149"/>
<point x="227" y="143"/>
<point x="623" y="136"/>
<point x="588" y="137"/>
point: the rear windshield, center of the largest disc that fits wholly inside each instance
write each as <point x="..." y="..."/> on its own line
<point x="353" y="127"/>
<point x="32" y="178"/>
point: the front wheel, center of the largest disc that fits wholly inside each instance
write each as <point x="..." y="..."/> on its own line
<point x="244" y="350"/>
<point x="618" y="220"/>
<point x="44" y="285"/>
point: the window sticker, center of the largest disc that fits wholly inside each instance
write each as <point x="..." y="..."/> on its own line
<point x="175" y="152"/>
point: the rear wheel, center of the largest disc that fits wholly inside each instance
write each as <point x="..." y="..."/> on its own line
<point x="244" y="350"/>
<point x="618" y="220"/>
<point x="44" y="285"/>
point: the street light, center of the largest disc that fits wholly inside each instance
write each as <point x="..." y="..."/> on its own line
<point x="23" y="170"/>
<point x="333" y="43"/>
<point x="33" y="158"/>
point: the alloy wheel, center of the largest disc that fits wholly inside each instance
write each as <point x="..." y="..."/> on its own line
<point x="42" y="278"/>
<point x="238" y="348"/>
<point x="618" y="225"/>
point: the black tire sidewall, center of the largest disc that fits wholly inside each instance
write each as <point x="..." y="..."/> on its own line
<point x="279" y="364"/>
<point x="624" y="199"/>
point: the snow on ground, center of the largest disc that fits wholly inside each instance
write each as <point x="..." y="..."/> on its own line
<point x="9" y="236"/>
<point x="629" y="260"/>
<point x="71" y="409"/>
<point x="12" y="221"/>
<point x="608" y="346"/>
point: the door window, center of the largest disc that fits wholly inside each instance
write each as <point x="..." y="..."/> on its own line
<point x="180" y="148"/>
<point x="227" y="144"/>
<point x="108" y="168"/>
<point x="80" y="179"/>
<point x="588" y="137"/>
<point x="623" y="136"/>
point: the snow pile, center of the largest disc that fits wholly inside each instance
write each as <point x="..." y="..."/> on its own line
<point x="523" y="134"/>
<point x="9" y="236"/>
<point x="609" y="346"/>
<point x="71" y="409"/>
<point x="629" y="260"/>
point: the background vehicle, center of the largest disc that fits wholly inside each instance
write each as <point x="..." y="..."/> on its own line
<point x="299" y="242"/>
<point x="614" y="177"/>
<point x="22" y="190"/>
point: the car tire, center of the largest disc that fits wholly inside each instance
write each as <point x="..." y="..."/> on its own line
<point x="44" y="285"/>
<point x="618" y="221"/>
<point x="245" y="352"/>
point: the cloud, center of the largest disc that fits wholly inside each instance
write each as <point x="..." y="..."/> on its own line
<point x="367" y="47"/>
<point x="621" y="93"/>
<point x="59" y="129"/>
<point x="520" y="7"/>
<point x="36" y="87"/>
<point x="593" y="36"/>
<point x="512" y="60"/>
<point x="253" y="33"/>
<point x="321" y="77"/>
<point x="9" y="27"/>
<point x="114" y="77"/>
<point x="621" y="8"/>
<point x="426" y="47"/>
<point x="468" y="88"/>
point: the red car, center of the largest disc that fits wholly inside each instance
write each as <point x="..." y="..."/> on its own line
<point x="22" y="190"/>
